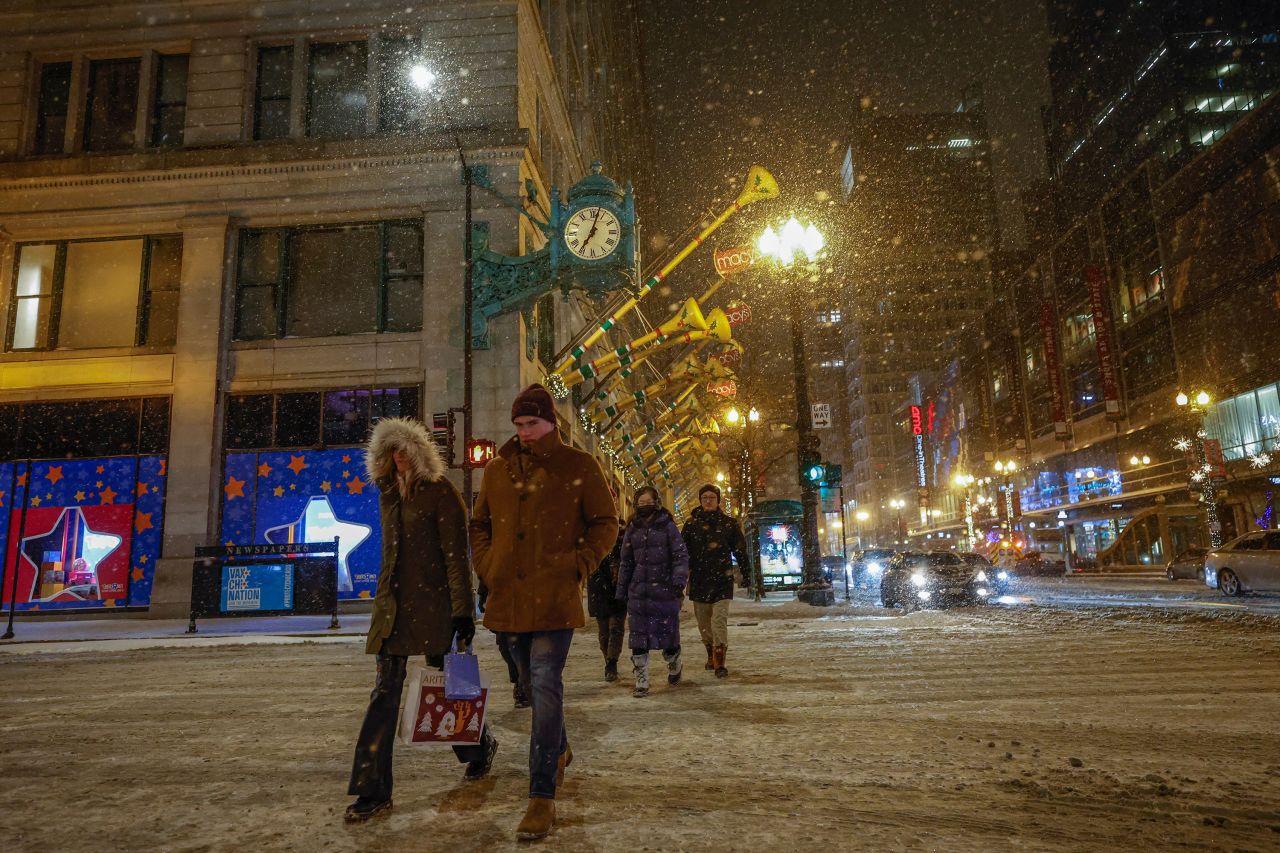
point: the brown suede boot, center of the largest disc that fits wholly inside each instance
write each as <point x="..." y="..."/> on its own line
<point x="721" y="669"/>
<point x="711" y="656"/>
<point x="565" y="759"/>
<point x="538" y="819"/>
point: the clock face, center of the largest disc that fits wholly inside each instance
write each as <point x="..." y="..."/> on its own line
<point x="592" y="233"/>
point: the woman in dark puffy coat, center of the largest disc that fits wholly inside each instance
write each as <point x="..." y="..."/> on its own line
<point x="651" y="578"/>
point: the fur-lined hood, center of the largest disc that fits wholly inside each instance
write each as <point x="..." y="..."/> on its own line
<point x="409" y="435"/>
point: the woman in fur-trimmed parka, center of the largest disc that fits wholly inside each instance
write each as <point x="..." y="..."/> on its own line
<point x="424" y="597"/>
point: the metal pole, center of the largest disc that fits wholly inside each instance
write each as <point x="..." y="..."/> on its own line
<point x="1208" y="493"/>
<point x="814" y="589"/>
<point x="22" y="524"/>
<point x="468" y="298"/>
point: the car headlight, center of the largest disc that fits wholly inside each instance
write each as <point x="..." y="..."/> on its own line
<point x="924" y="595"/>
<point x="982" y="576"/>
<point x="919" y="579"/>
<point x="982" y="591"/>
<point x="1004" y="576"/>
<point x="874" y="568"/>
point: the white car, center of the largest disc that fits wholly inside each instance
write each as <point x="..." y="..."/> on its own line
<point x="1248" y="563"/>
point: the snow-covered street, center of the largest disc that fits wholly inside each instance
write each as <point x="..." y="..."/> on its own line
<point x="984" y="729"/>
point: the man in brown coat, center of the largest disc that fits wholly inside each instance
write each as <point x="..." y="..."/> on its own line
<point x="424" y="598"/>
<point x="543" y="521"/>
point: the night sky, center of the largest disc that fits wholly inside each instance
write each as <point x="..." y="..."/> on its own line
<point x="732" y="82"/>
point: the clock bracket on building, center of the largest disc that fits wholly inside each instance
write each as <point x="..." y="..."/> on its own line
<point x="581" y="252"/>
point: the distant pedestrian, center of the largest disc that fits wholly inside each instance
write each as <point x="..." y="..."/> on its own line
<point x="423" y="600"/>
<point x="610" y="613"/>
<point x="651" y="578"/>
<point x="519" y="687"/>
<point x="712" y="538"/>
<point x="543" y="521"/>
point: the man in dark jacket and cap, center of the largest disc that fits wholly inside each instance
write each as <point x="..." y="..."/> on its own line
<point x="543" y="521"/>
<point x="712" y="537"/>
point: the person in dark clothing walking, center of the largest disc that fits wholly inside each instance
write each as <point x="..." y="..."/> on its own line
<point x="712" y="537"/>
<point x="610" y="613"/>
<point x="519" y="686"/>
<point x="423" y="601"/>
<point x="651" y="578"/>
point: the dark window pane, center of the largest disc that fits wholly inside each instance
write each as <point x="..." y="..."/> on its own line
<point x="404" y="249"/>
<point x="399" y="101"/>
<point x="337" y="89"/>
<point x="395" y="403"/>
<point x="248" y="424"/>
<point x="51" y="118"/>
<point x="255" y="313"/>
<point x="260" y="257"/>
<point x="155" y="426"/>
<point x="258" y="276"/>
<point x="163" y="277"/>
<point x="274" y="91"/>
<point x="169" y="112"/>
<point x="404" y="305"/>
<point x="80" y="428"/>
<point x="334" y="281"/>
<point x="346" y="417"/>
<point x="10" y="413"/>
<point x="298" y="419"/>
<point x="112" y="111"/>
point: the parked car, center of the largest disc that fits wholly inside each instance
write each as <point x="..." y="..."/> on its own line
<point x="997" y="577"/>
<point x="1248" y="563"/>
<point x="933" y="579"/>
<point x="1187" y="564"/>
<point x="832" y="566"/>
<point x="867" y="566"/>
<point x="1033" y="563"/>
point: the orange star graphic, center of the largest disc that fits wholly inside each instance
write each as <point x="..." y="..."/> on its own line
<point x="278" y="491"/>
<point x="55" y="474"/>
<point x="264" y="470"/>
<point x="79" y="496"/>
<point x="35" y="501"/>
<point x="107" y="495"/>
<point x="355" y="486"/>
<point x="164" y="466"/>
<point x="136" y="575"/>
<point x="142" y="559"/>
<point x="98" y="484"/>
<point x="99" y="470"/>
<point x="346" y="474"/>
<point x="234" y="488"/>
<point x="142" y="522"/>
<point x="22" y="479"/>
<point x="324" y="487"/>
<point x="293" y="487"/>
<point x="142" y="488"/>
<point x="1" y="498"/>
<point x="346" y="457"/>
<point x="297" y="463"/>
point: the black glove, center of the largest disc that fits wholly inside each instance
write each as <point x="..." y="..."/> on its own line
<point x="482" y="596"/>
<point x="464" y="629"/>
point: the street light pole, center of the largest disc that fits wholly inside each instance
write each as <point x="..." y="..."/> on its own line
<point x="1203" y="476"/>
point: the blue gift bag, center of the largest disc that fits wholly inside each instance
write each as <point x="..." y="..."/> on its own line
<point x="461" y="675"/>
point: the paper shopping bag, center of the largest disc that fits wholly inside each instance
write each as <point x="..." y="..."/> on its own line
<point x="461" y="675"/>
<point x="428" y="718"/>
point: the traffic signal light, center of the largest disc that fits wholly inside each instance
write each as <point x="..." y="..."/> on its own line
<point x="815" y="473"/>
<point x="480" y="451"/>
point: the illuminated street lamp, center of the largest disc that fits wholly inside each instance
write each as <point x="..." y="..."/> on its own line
<point x="790" y="243"/>
<point x="899" y="532"/>
<point x="753" y="415"/>
<point x="732" y="416"/>
<point x="1007" y="469"/>
<point x="1137" y="461"/>
<point x="964" y="482"/>
<point x="1202" y="476"/>
<point x="861" y="516"/>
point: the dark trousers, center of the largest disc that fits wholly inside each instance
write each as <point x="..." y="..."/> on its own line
<point x="612" y="628"/>
<point x="371" y="770"/>
<point x="668" y="652"/>
<point x="540" y="658"/>
<point x="509" y="658"/>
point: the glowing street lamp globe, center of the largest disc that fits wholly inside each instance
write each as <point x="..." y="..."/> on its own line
<point x="421" y="77"/>
<point x="794" y="239"/>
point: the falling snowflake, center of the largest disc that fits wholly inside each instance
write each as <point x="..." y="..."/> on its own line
<point x="1260" y="460"/>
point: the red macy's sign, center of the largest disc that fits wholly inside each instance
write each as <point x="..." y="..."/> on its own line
<point x="731" y="261"/>
<point x="730" y="357"/>
<point x="739" y="314"/>
<point x="1105" y="339"/>
<point x="727" y="388"/>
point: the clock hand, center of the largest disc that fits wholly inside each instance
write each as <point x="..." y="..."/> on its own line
<point x="595" y="223"/>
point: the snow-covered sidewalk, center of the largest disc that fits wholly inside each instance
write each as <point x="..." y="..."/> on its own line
<point x="848" y="728"/>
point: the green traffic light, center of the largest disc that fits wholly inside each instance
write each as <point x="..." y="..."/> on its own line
<point x="815" y="473"/>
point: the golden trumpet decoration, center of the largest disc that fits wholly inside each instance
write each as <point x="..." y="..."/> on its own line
<point x="760" y="185"/>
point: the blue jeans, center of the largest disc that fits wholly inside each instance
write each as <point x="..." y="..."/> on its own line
<point x="540" y="658"/>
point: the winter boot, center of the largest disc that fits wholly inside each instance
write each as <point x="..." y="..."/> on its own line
<point x="721" y="670"/>
<point x="480" y="768"/>
<point x="538" y="819"/>
<point x="611" y="669"/>
<point x="364" y="808"/>
<point x="640" y="669"/>
<point x="520" y="695"/>
<point x="711" y="661"/>
<point x="675" y="666"/>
